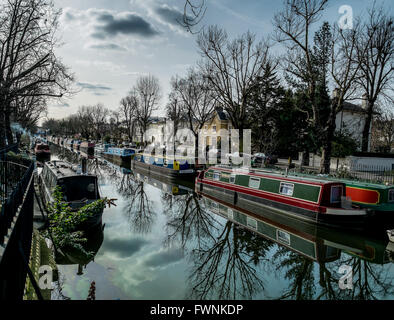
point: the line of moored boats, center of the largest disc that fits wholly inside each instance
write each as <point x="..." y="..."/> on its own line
<point x="324" y="201"/>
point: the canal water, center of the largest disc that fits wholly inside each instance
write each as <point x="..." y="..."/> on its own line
<point x="163" y="241"/>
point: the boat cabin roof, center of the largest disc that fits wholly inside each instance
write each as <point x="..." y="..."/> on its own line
<point x="268" y="174"/>
<point x="62" y="169"/>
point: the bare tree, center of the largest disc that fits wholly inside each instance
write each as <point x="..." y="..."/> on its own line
<point x="28" y="110"/>
<point x="232" y="66"/>
<point x="197" y="99"/>
<point x="344" y="73"/>
<point x="98" y="115"/>
<point x="375" y="47"/>
<point x="293" y="27"/>
<point x="148" y="94"/>
<point x="129" y="111"/>
<point x="28" y="64"/>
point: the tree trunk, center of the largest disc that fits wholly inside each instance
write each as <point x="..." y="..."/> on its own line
<point x="367" y="127"/>
<point x="8" y="131"/>
<point x="305" y="158"/>
<point x="2" y="129"/>
<point x="325" y="164"/>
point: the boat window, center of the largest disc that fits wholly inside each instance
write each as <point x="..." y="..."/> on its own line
<point x="283" y="237"/>
<point x="286" y="189"/>
<point x="336" y="194"/>
<point x="251" y="223"/>
<point x="216" y="176"/>
<point x="254" y="183"/>
<point x="232" y="178"/>
<point x="391" y="195"/>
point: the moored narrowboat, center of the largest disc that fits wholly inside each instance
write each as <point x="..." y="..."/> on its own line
<point x="87" y="147"/>
<point x="317" y="201"/>
<point x="121" y="156"/>
<point x="78" y="189"/>
<point x="378" y="198"/>
<point x="170" y="167"/>
<point x="42" y="150"/>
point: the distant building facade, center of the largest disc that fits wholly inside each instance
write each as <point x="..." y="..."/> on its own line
<point x="351" y="120"/>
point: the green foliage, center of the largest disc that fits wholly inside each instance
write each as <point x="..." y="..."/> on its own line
<point x="107" y="139"/>
<point x="64" y="223"/>
<point x="25" y="140"/>
<point x="343" y="145"/>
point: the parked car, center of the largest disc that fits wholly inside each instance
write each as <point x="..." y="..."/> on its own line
<point x="260" y="159"/>
<point x="237" y="157"/>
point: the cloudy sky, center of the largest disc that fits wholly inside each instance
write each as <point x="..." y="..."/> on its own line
<point x="108" y="44"/>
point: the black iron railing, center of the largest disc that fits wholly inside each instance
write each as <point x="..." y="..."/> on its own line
<point x="16" y="222"/>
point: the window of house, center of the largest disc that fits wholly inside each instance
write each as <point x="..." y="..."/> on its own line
<point x="286" y="189"/>
<point x="391" y="195"/>
<point x="214" y="129"/>
<point x="336" y="194"/>
<point x="254" y="183"/>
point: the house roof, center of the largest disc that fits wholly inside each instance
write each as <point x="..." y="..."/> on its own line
<point x="347" y="106"/>
<point x="222" y="116"/>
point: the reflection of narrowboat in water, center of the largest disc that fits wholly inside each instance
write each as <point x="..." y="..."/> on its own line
<point x="170" y="167"/>
<point x="120" y="169"/>
<point x="163" y="184"/>
<point x="317" y="201"/>
<point x="78" y="189"/>
<point x="315" y="242"/>
<point x="121" y="156"/>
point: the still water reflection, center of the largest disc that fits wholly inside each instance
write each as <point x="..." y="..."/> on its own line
<point x="164" y="241"/>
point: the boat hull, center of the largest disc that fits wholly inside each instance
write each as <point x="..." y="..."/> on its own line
<point x="248" y="201"/>
<point x="171" y="174"/>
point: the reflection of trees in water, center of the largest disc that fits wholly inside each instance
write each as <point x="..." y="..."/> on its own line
<point x="299" y="273"/>
<point x="139" y="206"/>
<point x="139" y="209"/>
<point x="57" y="292"/>
<point x="225" y="267"/>
<point x="224" y="257"/>
<point x="187" y="219"/>
<point x="370" y="281"/>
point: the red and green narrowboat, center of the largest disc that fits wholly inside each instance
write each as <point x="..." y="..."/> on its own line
<point x="318" y="201"/>
<point x="379" y="198"/>
<point x="375" y="197"/>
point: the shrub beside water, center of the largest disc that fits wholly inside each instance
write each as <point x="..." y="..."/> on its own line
<point x="64" y="223"/>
